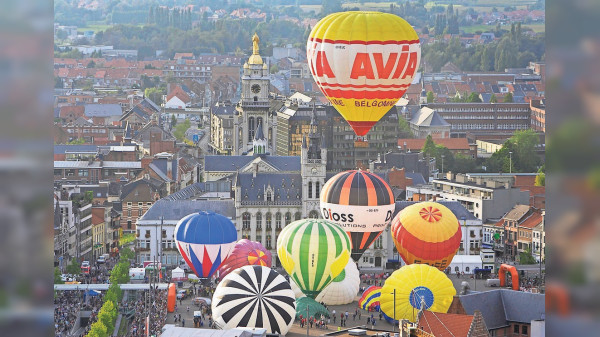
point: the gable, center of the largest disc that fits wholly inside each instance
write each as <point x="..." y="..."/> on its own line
<point x="262" y="166"/>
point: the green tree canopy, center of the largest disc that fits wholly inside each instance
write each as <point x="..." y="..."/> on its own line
<point x="508" y="98"/>
<point x="57" y="278"/>
<point x="430" y="97"/>
<point x="74" y="268"/>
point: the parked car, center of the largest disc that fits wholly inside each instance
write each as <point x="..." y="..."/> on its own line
<point x="492" y="282"/>
<point x="181" y="294"/>
<point x="67" y="277"/>
<point x="101" y="259"/>
<point x="201" y="300"/>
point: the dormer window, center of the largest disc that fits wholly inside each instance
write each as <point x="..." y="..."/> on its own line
<point x="269" y="196"/>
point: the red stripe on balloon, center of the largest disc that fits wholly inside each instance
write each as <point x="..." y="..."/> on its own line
<point x="187" y="259"/>
<point x="428" y="250"/>
<point x="361" y="128"/>
<point x="354" y="94"/>
<point x="206" y="263"/>
<point x="378" y="86"/>
<point x="362" y="42"/>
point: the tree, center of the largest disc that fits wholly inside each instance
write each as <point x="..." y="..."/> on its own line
<point x="493" y="99"/>
<point x="425" y="30"/>
<point x="274" y="69"/>
<point x="126" y="254"/>
<point x="57" y="278"/>
<point x="430" y="97"/>
<point x="429" y="147"/>
<point x="107" y="315"/>
<point x="155" y="94"/>
<point x="463" y="164"/>
<point x="58" y="83"/>
<point x="474" y="98"/>
<point x="540" y="179"/>
<point x="173" y="120"/>
<point x="404" y="128"/>
<point x="526" y="257"/>
<point x="508" y="98"/>
<point x="73" y="268"/>
<point x="524" y="158"/>
<point x="91" y="64"/>
<point x="180" y="130"/>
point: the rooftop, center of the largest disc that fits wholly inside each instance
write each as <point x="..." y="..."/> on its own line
<point x="502" y="306"/>
<point x="175" y="210"/>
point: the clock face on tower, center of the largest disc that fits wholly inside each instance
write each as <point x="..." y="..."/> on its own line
<point x="255" y="88"/>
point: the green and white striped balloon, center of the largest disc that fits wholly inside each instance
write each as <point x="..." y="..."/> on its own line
<point x="313" y="252"/>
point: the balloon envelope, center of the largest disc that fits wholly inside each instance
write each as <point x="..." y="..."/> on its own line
<point x="363" y="62"/>
<point x="255" y="297"/>
<point x="205" y="240"/>
<point x="313" y="252"/>
<point x="428" y="233"/>
<point x="245" y="253"/>
<point x="416" y="285"/>
<point x="361" y="203"/>
<point x="315" y="309"/>
<point x="370" y="298"/>
<point x="343" y="288"/>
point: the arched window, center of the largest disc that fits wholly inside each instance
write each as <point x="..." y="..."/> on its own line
<point x="278" y="220"/>
<point x="310" y="189"/>
<point x="456" y="269"/>
<point x="270" y="136"/>
<point x="317" y="186"/>
<point x="288" y="218"/>
<point x="268" y="219"/>
<point x="259" y="221"/>
<point x="467" y="269"/>
<point x="251" y="129"/>
<point x="313" y="214"/>
<point x="255" y="98"/>
<point x="297" y="216"/>
<point x="246" y="220"/>
<point x="259" y="121"/>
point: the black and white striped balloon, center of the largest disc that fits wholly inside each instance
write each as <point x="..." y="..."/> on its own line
<point x="255" y="297"/>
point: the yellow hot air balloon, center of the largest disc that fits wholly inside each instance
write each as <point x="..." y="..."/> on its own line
<point x="417" y="286"/>
<point x="426" y="232"/>
<point x="363" y="62"/>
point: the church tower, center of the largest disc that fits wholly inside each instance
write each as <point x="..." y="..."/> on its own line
<point x="423" y="97"/>
<point x="313" y="168"/>
<point x="259" y="144"/>
<point x="253" y="108"/>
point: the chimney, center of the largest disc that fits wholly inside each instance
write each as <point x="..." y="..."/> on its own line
<point x="449" y="175"/>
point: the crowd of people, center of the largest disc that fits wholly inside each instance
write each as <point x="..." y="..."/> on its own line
<point x="68" y="305"/>
<point x="157" y="311"/>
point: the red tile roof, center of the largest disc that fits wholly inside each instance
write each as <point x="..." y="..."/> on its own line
<point x="534" y="220"/>
<point x="416" y="144"/>
<point x="182" y="95"/>
<point x="445" y="325"/>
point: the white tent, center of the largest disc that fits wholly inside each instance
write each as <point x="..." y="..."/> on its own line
<point x="465" y="263"/>
<point x="177" y="274"/>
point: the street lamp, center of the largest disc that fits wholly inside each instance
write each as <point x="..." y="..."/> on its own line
<point x="443" y="164"/>
<point x="510" y="160"/>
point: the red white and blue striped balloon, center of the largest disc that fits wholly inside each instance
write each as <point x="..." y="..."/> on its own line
<point x="205" y="240"/>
